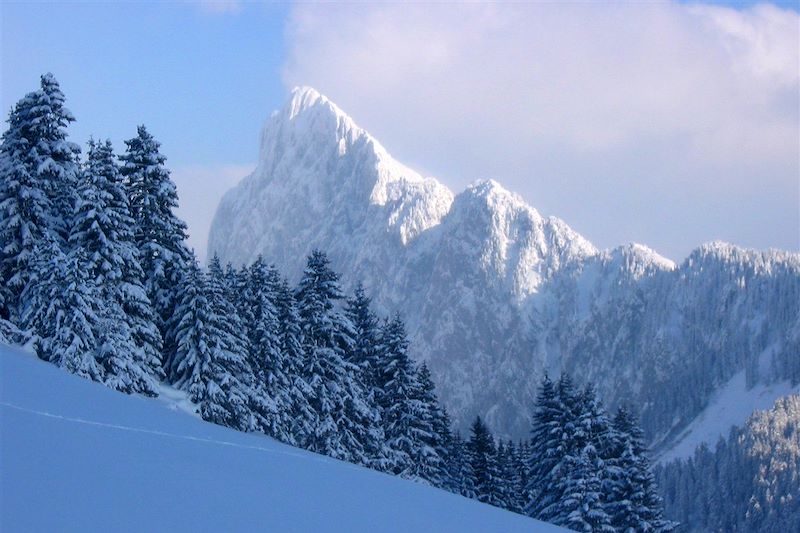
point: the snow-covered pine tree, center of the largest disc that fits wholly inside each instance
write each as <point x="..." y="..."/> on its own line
<point x="103" y="229"/>
<point x="483" y="462"/>
<point x="59" y="306"/>
<point x="57" y="157"/>
<point x="159" y="234"/>
<point x="271" y="400"/>
<point x="581" y="486"/>
<point x="290" y="336"/>
<point x="521" y="459"/>
<point x="24" y="209"/>
<point x="507" y="489"/>
<point x="366" y="331"/>
<point x="459" y="468"/>
<point x="343" y="425"/>
<point x="407" y="428"/>
<point x="202" y="364"/>
<point x="546" y="448"/>
<point x="433" y="416"/>
<point x="633" y="501"/>
<point x="38" y="173"/>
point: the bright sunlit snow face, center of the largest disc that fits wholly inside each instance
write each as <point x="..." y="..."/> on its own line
<point x="668" y="124"/>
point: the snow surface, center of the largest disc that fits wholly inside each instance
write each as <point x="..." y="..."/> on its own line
<point x="76" y="456"/>
<point x="731" y="406"/>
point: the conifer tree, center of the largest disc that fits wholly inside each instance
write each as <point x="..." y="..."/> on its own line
<point x="633" y="500"/>
<point x="343" y="425"/>
<point x="203" y="363"/>
<point x="510" y="486"/>
<point x="408" y="431"/>
<point x="459" y="468"/>
<point x="483" y="462"/>
<point x="436" y="424"/>
<point x="38" y="173"/>
<point x="60" y="308"/>
<point x="547" y="440"/>
<point x="366" y="334"/>
<point x="583" y="501"/>
<point x="300" y="413"/>
<point x="103" y="229"/>
<point x="159" y="235"/>
<point x="272" y="402"/>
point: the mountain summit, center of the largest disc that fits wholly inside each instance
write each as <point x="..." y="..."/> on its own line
<point x="495" y="295"/>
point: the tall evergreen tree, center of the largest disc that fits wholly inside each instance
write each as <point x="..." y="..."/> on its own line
<point x="203" y="363"/>
<point x="300" y="414"/>
<point x="436" y="424"/>
<point x="633" y="500"/>
<point x="38" y="173"/>
<point x="272" y="402"/>
<point x="583" y="501"/>
<point x="366" y="331"/>
<point x="103" y="229"/>
<point x="547" y="438"/>
<point x="60" y="307"/>
<point x="343" y="425"/>
<point x="483" y="462"/>
<point x="408" y="431"/>
<point x="160" y="235"/>
<point x="459" y="468"/>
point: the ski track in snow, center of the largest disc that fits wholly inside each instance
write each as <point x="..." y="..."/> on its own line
<point x="159" y="433"/>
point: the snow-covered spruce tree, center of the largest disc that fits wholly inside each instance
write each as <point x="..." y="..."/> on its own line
<point x="581" y="486"/>
<point x="459" y="468"/>
<point x="102" y="227"/>
<point x="366" y="331"/>
<point x="547" y="448"/>
<point x="203" y="365"/>
<point x="343" y="425"/>
<point x="59" y="306"/>
<point x="270" y="403"/>
<point x="633" y="501"/>
<point x="433" y="416"/>
<point x="159" y="234"/>
<point x="510" y="486"/>
<point x="38" y="173"/>
<point x="408" y="431"/>
<point x="521" y="457"/>
<point x="482" y="456"/>
<point x="290" y="337"/>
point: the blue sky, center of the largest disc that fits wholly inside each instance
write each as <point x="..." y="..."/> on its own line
<point x="202" y="81"/>
<point x="203" y="76"/>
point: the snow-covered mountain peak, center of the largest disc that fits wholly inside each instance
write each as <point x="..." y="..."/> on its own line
<point x="635" y="253"/>
<point x="304" y="97"/>
<point x="493" y="292"/>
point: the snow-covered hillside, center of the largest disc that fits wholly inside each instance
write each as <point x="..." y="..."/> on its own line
<point x="76" y="456"/>
<point x="730" y="407"/>
<point x="495" y="294"/>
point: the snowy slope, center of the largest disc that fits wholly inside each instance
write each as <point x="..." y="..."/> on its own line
<point x="76" y="456"/>
<point x="731" y="406"/>
<point x="495" y="294"/>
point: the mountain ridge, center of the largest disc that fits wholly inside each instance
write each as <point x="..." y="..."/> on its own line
<point x="494" y="293"/>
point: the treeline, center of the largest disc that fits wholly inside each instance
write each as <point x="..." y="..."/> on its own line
<point x="96" y="274"/>
<point x="747" y="482"/>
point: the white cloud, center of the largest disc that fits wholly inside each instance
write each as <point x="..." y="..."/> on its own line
<point x="200" y="189"/>
<point x="670" y="124"/>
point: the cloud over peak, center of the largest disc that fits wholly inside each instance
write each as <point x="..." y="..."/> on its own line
<point x="656" y="102"/>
